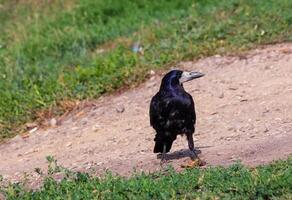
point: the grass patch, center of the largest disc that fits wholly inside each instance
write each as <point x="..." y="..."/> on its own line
<point x="52" y="52"/>
<point x="273" y="181"/>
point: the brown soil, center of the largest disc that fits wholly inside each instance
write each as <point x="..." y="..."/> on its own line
<point x="244" y="109"/>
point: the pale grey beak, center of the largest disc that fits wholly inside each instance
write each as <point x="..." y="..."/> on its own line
<point x="187" y="76"/>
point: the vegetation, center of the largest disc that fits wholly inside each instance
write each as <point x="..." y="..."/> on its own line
<point x="55" y="51"/>
<point x="273" y="181"/>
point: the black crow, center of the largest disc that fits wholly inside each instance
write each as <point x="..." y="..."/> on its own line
<point x="172" y="111"/>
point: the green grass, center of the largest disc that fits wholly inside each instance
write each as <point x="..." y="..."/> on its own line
<point x="53" y="51"/>
<point x="273" y="181"/>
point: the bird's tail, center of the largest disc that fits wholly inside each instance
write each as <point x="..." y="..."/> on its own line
<point x="160" y="142"/>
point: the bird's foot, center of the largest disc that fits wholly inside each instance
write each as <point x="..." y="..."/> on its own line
<point x="165" y="165"/>
<point x="194" y="155"/>
<point x="163" y="161"/>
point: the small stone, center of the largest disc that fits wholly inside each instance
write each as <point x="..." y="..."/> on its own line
<point x="152" y="72"/>
<point x="221" y="95"/>
<point x="53" y="122"/>
<point x="95" y="128"/>
<point x="30" y="151"/>
<point x="99" y="163"/>
<point x="33" y="130"/>
<point x="252" y="152"/>
<point x="30" y="126"/>
<point x="243" y="100"/>
<point x="69" y="144"/>
<point x="267" y="67"/>
<point x="232" y="88"/>
<point x="214" y="113"/>
<point x="120" y="109"/>
<point x="88" y="166"/>
<point x="233" y="158"/>
<point x="266" y="110"/>
<point x="231" y="129"/>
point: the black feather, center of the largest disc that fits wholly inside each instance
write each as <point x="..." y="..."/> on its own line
<point x="172" y="112"/>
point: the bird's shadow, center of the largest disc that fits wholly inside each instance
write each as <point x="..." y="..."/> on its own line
<point x="183" y="153"/>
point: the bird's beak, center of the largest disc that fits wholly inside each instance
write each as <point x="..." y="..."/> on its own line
<point x="187" y="76"/>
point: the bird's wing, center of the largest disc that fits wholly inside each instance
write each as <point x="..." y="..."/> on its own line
<point x="154" y="110"/>
<point x="168" y="111"/>
<point x="192" y="109"/>
<point x="182" y="110"/>
<point x="158" y="107"/>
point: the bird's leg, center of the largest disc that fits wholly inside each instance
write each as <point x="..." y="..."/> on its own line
<point x="163" y="156"/>
<point x="191" y="146"/>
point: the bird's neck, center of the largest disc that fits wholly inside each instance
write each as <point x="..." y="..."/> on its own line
<point x="171" y="87"/>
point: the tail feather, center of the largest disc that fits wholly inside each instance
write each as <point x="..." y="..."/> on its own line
<point x="158" y="148"/>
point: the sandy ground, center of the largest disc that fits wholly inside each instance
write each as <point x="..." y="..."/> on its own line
<point x="244" y="110"/>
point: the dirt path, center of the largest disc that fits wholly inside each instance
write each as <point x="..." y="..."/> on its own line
<point x="244" y="108"/>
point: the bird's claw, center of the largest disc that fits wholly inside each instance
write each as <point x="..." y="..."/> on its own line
<point x="163" y="161"/>
<point x="194" y="155"/>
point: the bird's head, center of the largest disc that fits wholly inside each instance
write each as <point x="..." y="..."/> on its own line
<point x="178" y="77"/>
